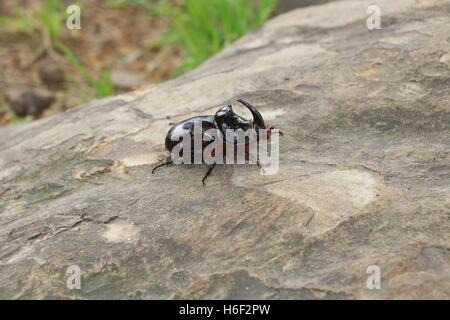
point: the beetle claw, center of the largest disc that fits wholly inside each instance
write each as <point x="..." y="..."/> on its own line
<point x="210" y="169"/>
<point x="279" y="131"/>
<point x="260" y="166"/>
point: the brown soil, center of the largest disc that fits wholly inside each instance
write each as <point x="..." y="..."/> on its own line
<point x="110" y="39"/>
<point x="121" y="39"/>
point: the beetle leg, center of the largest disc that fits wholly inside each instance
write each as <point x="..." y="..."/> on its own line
<point x="281" y="133"/>
<point x="211" y="167"/>
<point x="162" y="164"/>
<point x="260" y="166"/>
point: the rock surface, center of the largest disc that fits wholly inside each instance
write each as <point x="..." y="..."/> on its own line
<point x="364" y="173"/>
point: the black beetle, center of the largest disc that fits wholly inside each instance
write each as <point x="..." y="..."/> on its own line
<point x="224" y="119"/>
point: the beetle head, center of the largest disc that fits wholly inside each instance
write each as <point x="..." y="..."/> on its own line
<point x="225" y="119"/>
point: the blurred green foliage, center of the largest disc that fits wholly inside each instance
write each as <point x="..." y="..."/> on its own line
<point x="14" y="118"/>
<point x="203" y="28"/>
<point x="49" y="20"/>
<point x="103" y="86"/>
<point x="21" y="22"/>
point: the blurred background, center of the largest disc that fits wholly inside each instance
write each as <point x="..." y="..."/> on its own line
<point x="122" y="45"/>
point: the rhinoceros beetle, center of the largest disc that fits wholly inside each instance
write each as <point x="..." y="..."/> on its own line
<point x="224" y="119"/>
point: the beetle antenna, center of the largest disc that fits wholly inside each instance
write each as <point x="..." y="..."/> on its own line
<point x="162" y="164"/>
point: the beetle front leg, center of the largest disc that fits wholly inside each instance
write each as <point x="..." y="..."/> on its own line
<point x="281" y="133"/>
<point x="260" y="166"/>
<point x="211" y="167"/>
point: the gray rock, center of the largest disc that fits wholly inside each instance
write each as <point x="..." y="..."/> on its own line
<point x="364" y="174"/>
<point x="29" y="102"/>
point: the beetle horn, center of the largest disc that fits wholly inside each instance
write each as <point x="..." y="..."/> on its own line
<point x="257" y="118"/>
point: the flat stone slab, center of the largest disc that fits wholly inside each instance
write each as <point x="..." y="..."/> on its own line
<point x="364" y="179"/>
